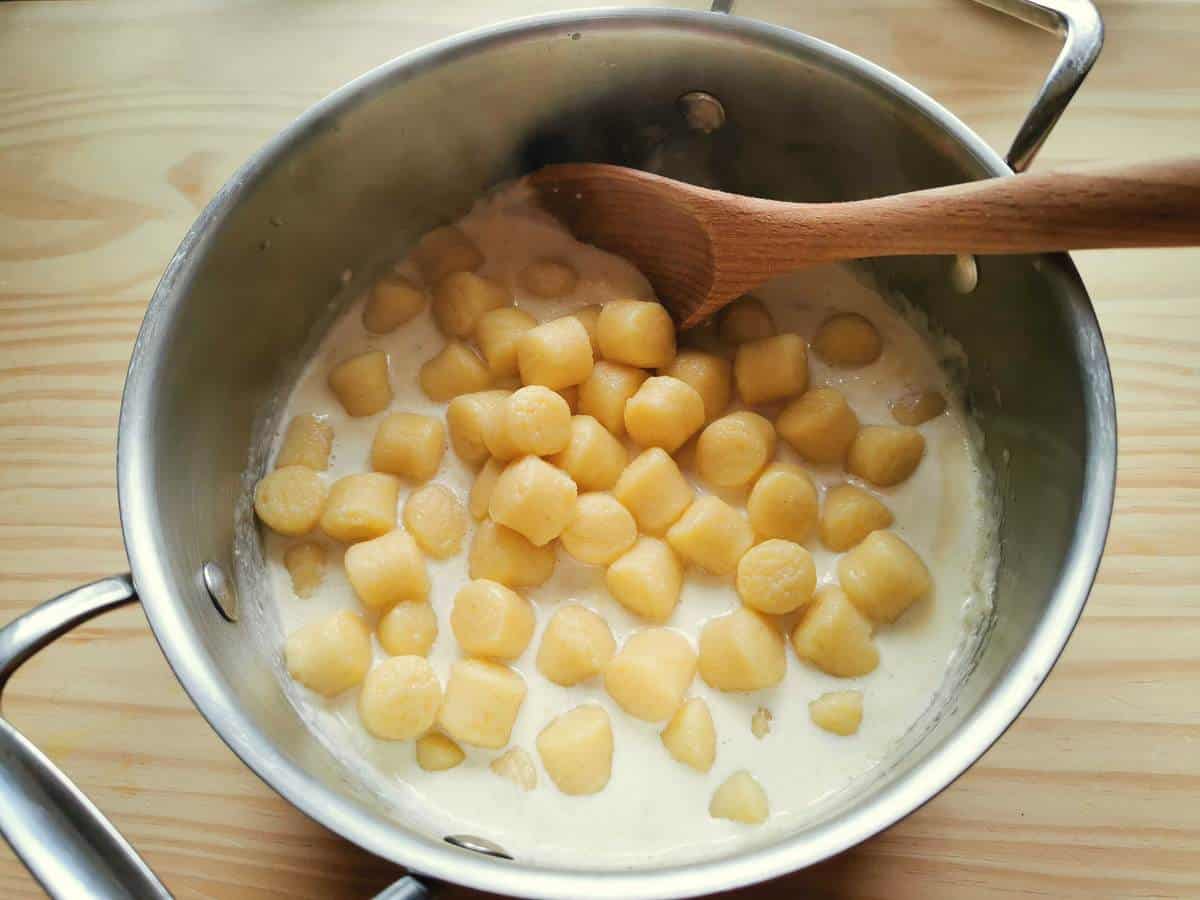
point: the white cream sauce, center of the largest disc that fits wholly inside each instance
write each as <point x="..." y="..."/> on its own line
<point x="655" y="810"/>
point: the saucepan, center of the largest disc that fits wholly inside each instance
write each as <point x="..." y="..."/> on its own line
<point x="704" y="96"/>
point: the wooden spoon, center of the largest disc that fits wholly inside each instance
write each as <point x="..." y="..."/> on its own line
<point x="702" y="248"/>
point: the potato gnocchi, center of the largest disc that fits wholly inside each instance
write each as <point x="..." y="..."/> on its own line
<point x="572" y="577"/>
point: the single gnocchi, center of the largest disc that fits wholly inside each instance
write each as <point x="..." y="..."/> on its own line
<point x="481" y="703"/>
<point x="361" y="507"/>
<point x="664" y="412"/>
<point x="290" y="500"/>
<point x="454" y="370"/>
<point x="460" y="300"/>
<point x="533" y="498"/>
<point x="834" y="636"/>
<point x="307" y="442"/>
<point x="654" y="490"/>
<point x="709" y="375"/>
<point x="838" y="712"/>
<point x="885" y="455"/>
<point x="848" y="340"/>
<point x="820" y="426"/>
<point x="468" y="417"/>
<point x="734" y="449"/>
<point x="592" y="457"/>
<point x="651" y="673"/>
<point x="604" y="393"/>
<point x="745" y="319"/>
<point x="517" y="766"/>
<point x="849" y="515"/>
<point x="497" y="333"/>
<point x="556" y="354"/>
<point x="387" y="570"/>
<point x="576" y="645"/>
<point x="408" y="629"/>
<point x="740" y="798"/>
<point x="437" y="753"/>
<point x="305" y="563"/>
<point x="330" y="655"/>
<point x="711" y="535"/>
<point x="436" y="520"/>
<point x="741" y="651"/>
<point x="492" y="621"/>
<point x="400" y="698"/>
<point x="691" y="737"/>
<point x="533" y="420"/>
<point x="501" y="554"/>
<point x="408" y="445"/>
<point x="548" y="278"/>
<point x="637" y="333"/>
<point x="770" y="369"/>
<point x="647" y="579"/>
<point x="883" y="576"/>
<point x="600" y="530"/>
<point x="392" y="302"/>
<point x="783" y="504"/>
<point x="776" y="577"/>
<point x="577" y="750"/>
<point x="917" y="407"/>
<point x="362" y="384"/>
<point x="445" y="250"/>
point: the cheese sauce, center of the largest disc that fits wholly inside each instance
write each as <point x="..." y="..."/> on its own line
<point x="654" y="810"/>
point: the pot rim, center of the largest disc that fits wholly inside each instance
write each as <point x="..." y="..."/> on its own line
<point x="195" y="670"/>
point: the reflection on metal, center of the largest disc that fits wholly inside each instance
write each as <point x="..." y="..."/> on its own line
<point x="65" y="841"/>
<point x="964" y="273"/>
<point x="702" y="111"/>
<point x="220" y="589"/>
<point x="407" y="888"/>
<point x="478" y="845"/>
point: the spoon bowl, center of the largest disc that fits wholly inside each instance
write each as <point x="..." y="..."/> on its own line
<point x="702" y="248"/>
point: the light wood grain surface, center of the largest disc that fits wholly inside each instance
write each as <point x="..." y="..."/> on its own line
<point x="118" y="121"/>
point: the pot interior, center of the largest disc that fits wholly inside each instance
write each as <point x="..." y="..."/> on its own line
<point x="411" y="146"/>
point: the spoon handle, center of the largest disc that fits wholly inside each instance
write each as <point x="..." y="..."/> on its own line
<point x="1144" y="205"/>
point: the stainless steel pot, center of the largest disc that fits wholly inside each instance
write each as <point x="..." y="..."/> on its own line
<point x="410" y="145"/>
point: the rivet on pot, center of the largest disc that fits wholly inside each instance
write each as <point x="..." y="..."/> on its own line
<point x="702" y="111"/>
<point x="220" y="590"/>
<point x="477" y="844"/>
<point x="964" y="273"/>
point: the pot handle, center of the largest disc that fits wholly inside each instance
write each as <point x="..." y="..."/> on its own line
<point x="58" y="833"/>
<point x="1079" y="24"/>
<point x="1082" y="30"/>
<point x="407" y="888"/>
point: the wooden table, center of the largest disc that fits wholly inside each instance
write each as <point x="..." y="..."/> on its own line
<point x="118" y="121"/>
